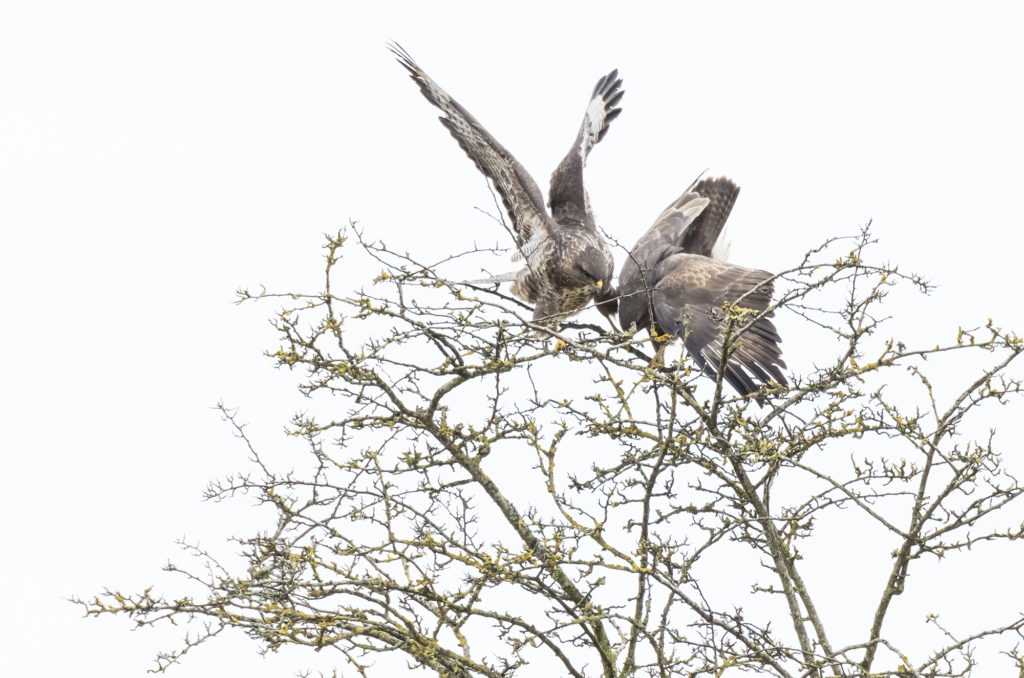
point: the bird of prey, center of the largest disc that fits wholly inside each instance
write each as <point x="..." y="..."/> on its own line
<point x="672" y="285"/>
<point x="567" y="262"/>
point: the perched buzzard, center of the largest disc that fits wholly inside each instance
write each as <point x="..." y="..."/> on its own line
<point x="672" y="284"/>
<point x="567" y="262"/>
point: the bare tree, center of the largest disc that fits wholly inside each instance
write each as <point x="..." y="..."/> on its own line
<point x="486" y="506"/>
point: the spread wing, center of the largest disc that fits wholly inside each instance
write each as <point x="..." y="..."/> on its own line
<point x="692" y="223"/>
<point x="638" y="276"/>
<point x="567" y="197"/>
<point x="700" y="235"/>
<point x="519" y="192"/>
<point x="692" y="300"/>
<point x="671" y="283"/>
<point x="704" y="233"/>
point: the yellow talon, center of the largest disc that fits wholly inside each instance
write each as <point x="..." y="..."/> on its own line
<point x="559" y="345"/>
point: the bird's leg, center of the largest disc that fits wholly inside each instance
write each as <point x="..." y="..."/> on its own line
<point x="659" y="356"/>
<point x="544" y="336"/>
<point x="559" y="342"/>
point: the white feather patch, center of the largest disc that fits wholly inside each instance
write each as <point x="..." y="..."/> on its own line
<point x="595" y="117"/>
<point x="722" y="246"/>
<point x="593" y="123"/>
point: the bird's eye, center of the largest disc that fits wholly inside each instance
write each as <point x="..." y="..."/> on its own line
<point x="586" y="273"/>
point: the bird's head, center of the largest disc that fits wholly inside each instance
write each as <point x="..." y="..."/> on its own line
<point x="593" y="269"/>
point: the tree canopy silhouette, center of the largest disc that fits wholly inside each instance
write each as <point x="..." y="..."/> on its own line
<point x="484" y="505"/>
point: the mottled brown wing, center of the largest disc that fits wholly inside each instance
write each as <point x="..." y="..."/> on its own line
<point x="691" y="223"/>
<point x="638" y="276"/>
<point x="567" y="196"/>
<point x="700" y="237"/>
<point x="692" y="298"/>
<point x="519" y="192"/>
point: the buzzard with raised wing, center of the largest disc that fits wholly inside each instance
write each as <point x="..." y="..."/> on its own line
<point x="567" y="262"/>
<point x="672" y="285"/>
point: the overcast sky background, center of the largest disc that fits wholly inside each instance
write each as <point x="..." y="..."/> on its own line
<point x="154" y="157"/>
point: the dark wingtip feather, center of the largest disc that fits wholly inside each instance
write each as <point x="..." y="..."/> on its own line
<point x="402" y="56"/>
<point x="701" y="236"/>
<point x="607" y="84"/>
<point x="609" y="88"/>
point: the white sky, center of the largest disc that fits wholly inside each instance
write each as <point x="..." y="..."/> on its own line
<point x="156" y="156"/>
